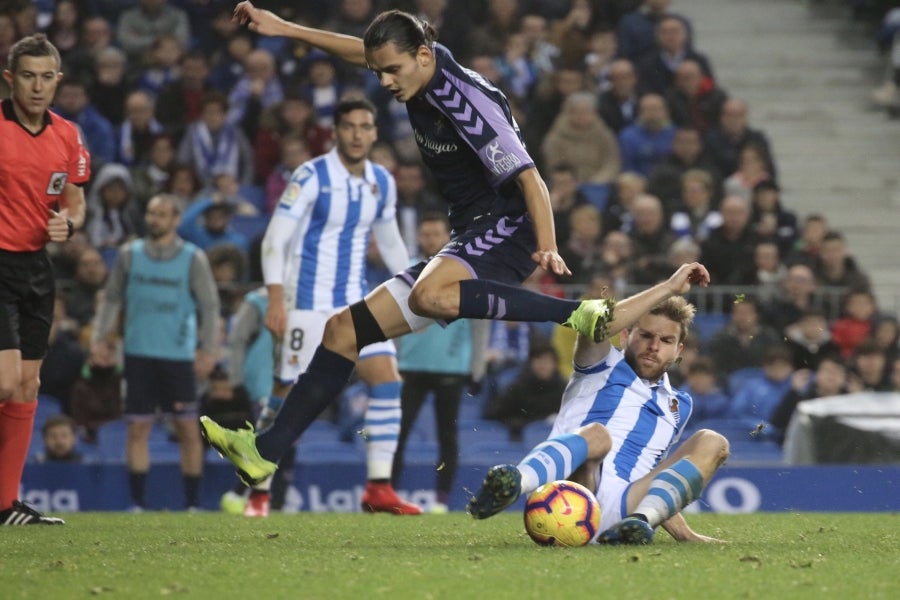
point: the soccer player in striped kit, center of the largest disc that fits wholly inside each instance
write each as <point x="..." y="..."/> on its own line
<point x="43" y="165"/>
<point x="499" y="211"/>
<point x="313" y="260"/>
<point x="618" y="422"/>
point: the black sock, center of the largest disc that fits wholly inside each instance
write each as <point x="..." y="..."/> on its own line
<point x="191" y="490"/>
<point x="482" y="299"/>
<point x="239" y="488"/>
<point x="137" y="482"/>
<point x="379" y="481"/>
<point x="312" y="393"/>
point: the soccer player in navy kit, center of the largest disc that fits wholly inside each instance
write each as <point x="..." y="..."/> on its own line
<point x="43" y="165"/>
<point x="499" y="210"/>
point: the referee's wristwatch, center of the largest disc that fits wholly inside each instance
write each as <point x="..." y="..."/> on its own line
<point x="71" y="227"/>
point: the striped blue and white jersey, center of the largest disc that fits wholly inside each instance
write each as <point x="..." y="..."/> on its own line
<point x="644" y="418"/>
<point x="334" y="212"/>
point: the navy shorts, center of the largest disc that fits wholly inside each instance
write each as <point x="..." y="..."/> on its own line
<point x="154" y="384"/>
<point x="492" y="248"/>
<point x="27" y="291"/>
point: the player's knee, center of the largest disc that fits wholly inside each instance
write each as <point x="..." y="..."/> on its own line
<point x="434" y="302"/>
<point x="712" y="444"/>
<point x="7" y="392"/>
<point x="339" y="335"/>
<point x="598" y="440"/>
<point x="30" y="387"/>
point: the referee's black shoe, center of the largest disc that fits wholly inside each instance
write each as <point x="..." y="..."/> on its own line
<point x="22" y="514"/>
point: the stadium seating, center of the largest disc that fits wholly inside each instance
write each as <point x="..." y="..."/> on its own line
<point x="493" y="452"/>
<point x="111" y="441"/>
<point x="535" y="433"/>
<point x="320" y="431"/>
<point x="420" y="452"/>
<point x="331" y="452"/>
<point x="473" y="431"/>
<point x="707" y="324"/>
<point x="755" y="452"/>
<point x="736" y="430"/>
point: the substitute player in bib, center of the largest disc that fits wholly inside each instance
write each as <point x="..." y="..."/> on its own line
<point x="43" y="165"/>
<point x="313" y="261"/>
<point x="162" y="298"/>
<point x="499" y="211"/>
<point x="617" y="423"/>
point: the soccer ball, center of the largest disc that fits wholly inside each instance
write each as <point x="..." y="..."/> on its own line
<point x="562" y="513"/>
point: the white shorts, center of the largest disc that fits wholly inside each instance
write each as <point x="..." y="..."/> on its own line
<point x="612" y="494"/>
<point x="303" y="335"/>
<point x="612" y="490"/>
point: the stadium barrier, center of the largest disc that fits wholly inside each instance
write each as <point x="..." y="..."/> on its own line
<point x="337" y="487"/>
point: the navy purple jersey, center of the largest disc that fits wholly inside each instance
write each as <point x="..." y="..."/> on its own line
<point x="469" y="139"/>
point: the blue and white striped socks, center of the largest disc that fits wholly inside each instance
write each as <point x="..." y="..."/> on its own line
<point x="554" y="459"/>
<point x="382" y="428"/>
<point x="670" y="491"/>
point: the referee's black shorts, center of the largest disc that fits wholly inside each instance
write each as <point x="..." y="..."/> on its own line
<point x="27" y="290"/>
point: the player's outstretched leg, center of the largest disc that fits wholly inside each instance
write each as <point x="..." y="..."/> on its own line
<point x="670" y="490"/>
<point x="630" y="530"/>
<point x="591" y="318"/>
<point x="501" y="487"/>
<point x="552" y="459"/>
<point x="240" y="448"/>
<point x="22" y="514"/>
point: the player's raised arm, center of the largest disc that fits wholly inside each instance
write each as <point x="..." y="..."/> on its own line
<point x="628" y="311"/>
<point x="264" y="22"/>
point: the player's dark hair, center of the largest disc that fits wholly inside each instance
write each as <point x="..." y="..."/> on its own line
<point x="349" y="105"/>
<point x="406" y="31"/>
<point x="33" y="45"/>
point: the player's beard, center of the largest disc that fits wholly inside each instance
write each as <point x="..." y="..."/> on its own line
<point x="651" y="374"/>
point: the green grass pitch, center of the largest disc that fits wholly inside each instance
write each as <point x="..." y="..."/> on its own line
<point x="218" y="556"/>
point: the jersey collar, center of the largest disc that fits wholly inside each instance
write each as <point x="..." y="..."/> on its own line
<point x="368" y="174"/>
<point x="9" y="114"/>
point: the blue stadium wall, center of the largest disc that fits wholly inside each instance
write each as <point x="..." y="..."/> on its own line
<point x="338" y="487"/>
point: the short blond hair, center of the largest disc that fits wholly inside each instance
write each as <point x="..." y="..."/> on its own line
<point x="679" y="310"/>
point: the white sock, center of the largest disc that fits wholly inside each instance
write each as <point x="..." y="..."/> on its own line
<point x="554" y="459"/>
<point x="670" y="491"/>
<point x="382" y="428"/>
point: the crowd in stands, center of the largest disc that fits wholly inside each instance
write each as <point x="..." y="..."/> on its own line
<point x="650" y="162"/>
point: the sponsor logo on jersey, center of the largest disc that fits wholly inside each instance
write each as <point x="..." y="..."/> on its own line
<point x="432" y="146"/>
<point x="500" y="161"/>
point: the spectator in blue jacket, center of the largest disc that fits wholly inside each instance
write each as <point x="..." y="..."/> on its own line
<point x="761" y="393"/>
<point x="72" y="103"/>
<point x="645" y="143"/>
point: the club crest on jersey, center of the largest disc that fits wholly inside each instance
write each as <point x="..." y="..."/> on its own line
<point x="57" y="183"/>
<point x="294" y="360"/>
<point x="375" y="189"/>
<point x="673" y="405"/>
